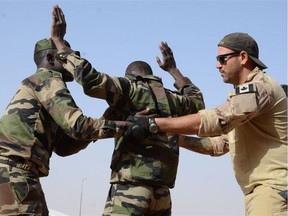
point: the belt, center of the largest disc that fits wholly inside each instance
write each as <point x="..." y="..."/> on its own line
<point x="18" y="162"/>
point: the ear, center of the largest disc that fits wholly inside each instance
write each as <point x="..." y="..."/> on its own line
<point x="244" y="57"/>
<point x="50" y="59"/>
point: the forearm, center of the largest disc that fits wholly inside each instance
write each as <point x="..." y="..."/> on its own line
<point x="71" y="118"/>
<point x="61" y="46"/>
<point x="175" y="73"/>
<point x="214" y="146"/>
<point x="91" y="129"/>
<point x="180" y="80"/>
<point x="196" y="144"/>
<point x="67" y="146"/>
<point x="83" y="73"/>
<point x="188" y="124"/>
<point x="188" y="89"/>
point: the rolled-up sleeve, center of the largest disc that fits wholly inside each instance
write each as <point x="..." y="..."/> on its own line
<point x="237" y="110"/>
<point x="210" y="125"/>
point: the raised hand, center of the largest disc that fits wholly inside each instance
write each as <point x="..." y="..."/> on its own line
<point x="168" y="62"/>
<point x="58" y="28"/>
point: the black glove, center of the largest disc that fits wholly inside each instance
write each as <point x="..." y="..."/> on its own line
<point x="139" y="129"/>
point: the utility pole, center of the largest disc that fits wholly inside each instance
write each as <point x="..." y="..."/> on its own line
<point x="81" y="195"/>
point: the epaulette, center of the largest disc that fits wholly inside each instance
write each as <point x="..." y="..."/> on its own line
<point x="245" y="88"/>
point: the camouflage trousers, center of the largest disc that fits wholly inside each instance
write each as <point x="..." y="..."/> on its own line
<point x="136" y="200"/>
<point x="20" y="193"/>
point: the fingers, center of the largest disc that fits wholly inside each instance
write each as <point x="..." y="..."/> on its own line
<point x="152" y="116"/>
<point x="58" y="15"/>
<point x="61" y="16"/>
<point x="143" y="112"/>
<point x="54" y="17"/>
<point x="55" y="11"/>
<point x="158" y="61"/>
<point x="165" y="49"/>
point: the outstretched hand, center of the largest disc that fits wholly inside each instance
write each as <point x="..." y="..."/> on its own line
<point x="144" y="113"/>
<point x="168" y="63"/>
<point x="58" y="28"/>
<point x="140" y="126"/>
<point x="138" y="131"/>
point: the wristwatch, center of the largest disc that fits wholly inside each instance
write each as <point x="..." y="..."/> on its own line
<point x="153" y="127"/>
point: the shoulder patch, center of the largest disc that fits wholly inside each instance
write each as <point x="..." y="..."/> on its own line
<point x="245" y="88"/>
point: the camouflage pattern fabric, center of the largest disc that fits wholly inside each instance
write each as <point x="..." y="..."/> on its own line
<point x="29" y="124"/>
<point x="154" y="161"/>
<point x="41" y="118"/>
<point x="20" y="192"/>
<point x="128" y="199"/>
<point x="65" y="145"/>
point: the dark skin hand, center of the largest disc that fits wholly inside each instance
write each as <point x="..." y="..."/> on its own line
<point x="58" y="29"/>
<point x="144" y="113"/>
<point x="169" y="63"/>
<point x="59" y="23"/>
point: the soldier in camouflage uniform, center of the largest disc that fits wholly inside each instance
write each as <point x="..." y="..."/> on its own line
<point x="42" y="117"/>
<point x="251" y="124"/>
<point x="142" y="173"/>
<point x="149" y="169"/>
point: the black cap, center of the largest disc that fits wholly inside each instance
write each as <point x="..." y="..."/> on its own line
<point x="239" y="41"/>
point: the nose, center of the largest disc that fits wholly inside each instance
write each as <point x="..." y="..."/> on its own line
<point x="218" y="65"/>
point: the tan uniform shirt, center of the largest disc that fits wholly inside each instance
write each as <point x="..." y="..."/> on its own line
<point x="254" y="117"/>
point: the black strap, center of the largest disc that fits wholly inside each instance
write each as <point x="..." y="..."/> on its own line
<point x="160" y="98"/>
<point x="284" y="194"/>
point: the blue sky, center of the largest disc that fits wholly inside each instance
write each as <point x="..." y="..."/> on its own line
<point x="111" y="34"/>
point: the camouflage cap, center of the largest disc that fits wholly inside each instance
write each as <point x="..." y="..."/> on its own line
<point x="243" y="42"/>
<point x="44" y="44"/>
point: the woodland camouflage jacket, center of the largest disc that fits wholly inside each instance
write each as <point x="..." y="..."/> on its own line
<point x="155" y="160"/>
<point x="40" y="114"/>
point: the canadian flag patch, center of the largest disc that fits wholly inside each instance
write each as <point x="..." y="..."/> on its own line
<point x="245" y="88"/>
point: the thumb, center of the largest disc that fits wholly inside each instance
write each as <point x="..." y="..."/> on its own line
<point x="158" y="61"/>
<point x="143" y="112"/>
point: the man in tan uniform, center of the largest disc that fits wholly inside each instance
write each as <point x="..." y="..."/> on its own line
<point x="253" y="122"/>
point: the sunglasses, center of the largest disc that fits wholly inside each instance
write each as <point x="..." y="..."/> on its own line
<point x="223" y="58"/>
